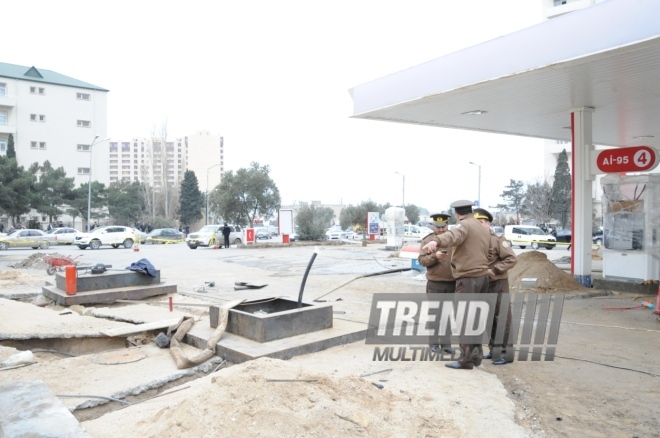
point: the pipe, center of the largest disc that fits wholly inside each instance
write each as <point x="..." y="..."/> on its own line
<point x="304" y="280"/>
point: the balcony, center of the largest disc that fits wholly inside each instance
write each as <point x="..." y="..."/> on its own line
<point x="7" y="129"/>
<point x="6" y="101"/>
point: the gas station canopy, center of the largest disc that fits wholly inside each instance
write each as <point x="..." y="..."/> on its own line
<point x="605" y="57"/>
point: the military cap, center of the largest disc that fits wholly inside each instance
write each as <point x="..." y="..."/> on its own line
<point x="480" y="213"/>
<point x="440" y="219"/>
<point x="462" y="206"/>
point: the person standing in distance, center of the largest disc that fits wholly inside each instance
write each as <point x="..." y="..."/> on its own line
<point x="501" y="258"/>
<point x="225" y="233"/>
<point x="469" y="261"/>
<point x="439" y="279"/>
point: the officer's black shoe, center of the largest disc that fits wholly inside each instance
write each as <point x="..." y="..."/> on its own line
<point x="457" y="366"/>
<point x="447" y="349"/>
<point x="500" y="361"/>
<point x="489" y="355"/>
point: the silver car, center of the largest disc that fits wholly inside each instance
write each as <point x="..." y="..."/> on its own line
<point x="63" y="236"/>
<point x="35" y="239"/>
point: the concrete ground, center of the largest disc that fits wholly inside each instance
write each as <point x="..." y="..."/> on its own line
<point x="599" y="384"/>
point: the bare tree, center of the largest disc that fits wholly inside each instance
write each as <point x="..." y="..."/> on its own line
<point x="538" y="201"/>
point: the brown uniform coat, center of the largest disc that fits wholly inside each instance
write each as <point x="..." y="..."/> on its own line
<point x="436" y="270"/>
<point x="501" y="257"/>
<point x="470" y="241"/>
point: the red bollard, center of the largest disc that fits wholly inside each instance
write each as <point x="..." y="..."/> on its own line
<point x="71" y="280"/>
<point x="171" y="307"/>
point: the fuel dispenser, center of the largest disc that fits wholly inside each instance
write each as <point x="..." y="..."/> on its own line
<point x="631" y="220"/>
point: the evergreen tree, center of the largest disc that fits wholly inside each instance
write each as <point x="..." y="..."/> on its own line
<point x="513" y="198"/>
<point x="53" y="189"/>
<point x="312" y="222"/>
<point x="124" y="203"/>
<point x="11" y="151"/>
<point x="560" y="205"/>
<point x="191" y="199"/>
<point x="245" y="195"/>
<point x="16" y="188"/>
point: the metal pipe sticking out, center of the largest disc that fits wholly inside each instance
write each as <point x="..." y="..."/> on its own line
<point x="304" y="280"/>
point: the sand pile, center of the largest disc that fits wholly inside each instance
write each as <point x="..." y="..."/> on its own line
<point x="535" y="264"/>
<point x="36" y="261"/>
<point x="240" y="401"/>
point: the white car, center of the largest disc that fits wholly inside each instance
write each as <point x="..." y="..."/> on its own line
<point x="114" y="235"/>
<point x="203" y="237"/>
<point x="415" y="232"/>
<point x="335" y="233"/>
<point x="25" y="239"/>
<point x="528" y="235"/>
<point x="63" y="236"/>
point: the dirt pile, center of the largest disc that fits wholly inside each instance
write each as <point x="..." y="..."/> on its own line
<point x="247" y="400"/>
<point x="535" y="264"/>
<point x="36" y="261"/>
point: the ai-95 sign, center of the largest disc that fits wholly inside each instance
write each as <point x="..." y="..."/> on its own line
<point x="632" y="159"/>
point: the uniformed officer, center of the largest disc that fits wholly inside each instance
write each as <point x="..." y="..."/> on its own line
<point x="469" y="262"/>
<point x="501" y="258"/>
<point x="439" y="278"/>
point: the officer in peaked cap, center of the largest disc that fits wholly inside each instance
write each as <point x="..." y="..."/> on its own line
<point x="439" y="278"/>
<point x="469" y="261"/>
<point x="501" y="258"/>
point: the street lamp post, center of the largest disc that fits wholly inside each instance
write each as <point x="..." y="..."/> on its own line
<point x="403" y="190"/>
<point x="89" y="184"/>
<point x="479" y="193"/>
<point x="207" y="191"/>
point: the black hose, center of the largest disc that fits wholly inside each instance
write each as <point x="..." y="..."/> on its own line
<point x="302" y="286"/>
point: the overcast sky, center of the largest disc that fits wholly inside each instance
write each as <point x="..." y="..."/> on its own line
<point x="272" y="78"/>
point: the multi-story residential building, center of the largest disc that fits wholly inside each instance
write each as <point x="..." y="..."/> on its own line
<point x="155" y="161"/>
<point x="56" y="118"/>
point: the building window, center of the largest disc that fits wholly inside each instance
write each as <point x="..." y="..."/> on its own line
<point x="42" y="118"/>
<point x="42" y="145"/>
<point x="33" y="145"/>
<point x="84" y="124"/>
<point x="83" y="171"/>
<point x="42" y="91"/>
<point x="125" y="147"/>
<point x="33" y="90"/>
<point x="113" y="172"/>
<point x="83" y="147"/>
<point x="113" y="147"/>
<point x="3" y="118"/>
<point x="33" y="117"/>
<point x="83" y="96"/>
<point x="3" y="89"/>
<point x="113" y="167"/>
<point x="3" y="146"/>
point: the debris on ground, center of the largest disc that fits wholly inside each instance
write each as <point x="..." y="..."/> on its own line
<point x="275" y="398"/>
<point x="36" y="261"/>
<point x="535" y="264"/>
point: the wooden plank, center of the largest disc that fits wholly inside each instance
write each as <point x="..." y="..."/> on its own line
<point x="138" y="328"/>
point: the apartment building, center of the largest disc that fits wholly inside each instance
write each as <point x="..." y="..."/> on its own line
<point x="56" y="118"/>
<point x="157" y="161"/>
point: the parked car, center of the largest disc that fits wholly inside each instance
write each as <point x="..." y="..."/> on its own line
<point x="114" y="235"/>
<point x="263" y="233"/>
<point x="335" y="233"/>
<point x="63" y="236"/>
<point x="565" y="236"/>
<point x="35" y="239"/>
<point x="209" y="232"/>
<point x="140" y="236"/>
<point x="528" y="235"/>
<point x="274" y="231"/>
<point x="499" y="231"/>
<point x="164" y="235"/>
<point x="414" y="232"/>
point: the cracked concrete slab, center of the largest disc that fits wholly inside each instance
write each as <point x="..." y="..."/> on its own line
<point x="156" y="369"/>
<point x="27" y="321"/>
<point x="138" y="313"/>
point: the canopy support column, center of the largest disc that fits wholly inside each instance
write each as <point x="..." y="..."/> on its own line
<point x="582" y="204"/>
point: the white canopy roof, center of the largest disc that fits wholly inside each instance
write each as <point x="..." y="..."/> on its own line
<point x="606" y="56"/>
